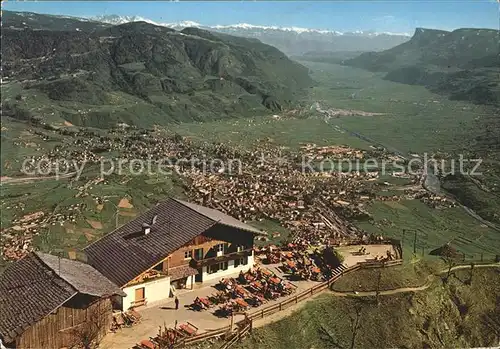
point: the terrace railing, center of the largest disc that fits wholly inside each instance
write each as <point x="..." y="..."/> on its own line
<point x="241" y="327"/>
<point x="259" y="314"/>
<point x="154" y="275"/>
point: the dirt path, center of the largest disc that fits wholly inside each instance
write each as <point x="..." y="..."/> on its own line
<point x="430" y="278"/>
<point x="425" y="286"/>
<point x="383" y="293"/>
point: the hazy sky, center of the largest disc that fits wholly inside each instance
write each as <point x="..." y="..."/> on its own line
<point x="392" y="15"/>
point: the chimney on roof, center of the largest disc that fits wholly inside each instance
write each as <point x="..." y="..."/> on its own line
<point x="146" y="228"/>
<point x="77" y="255"/>
<point x="72" y="254"/>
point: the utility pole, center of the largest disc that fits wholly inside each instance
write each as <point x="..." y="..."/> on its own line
<point x="117" y="213"/>
<point x="415" y="244"/>
<point x="471" y="271"/>
<point x="379" y="279"/>
<point x="232" y="322"/>
<point x="59" y="262"/>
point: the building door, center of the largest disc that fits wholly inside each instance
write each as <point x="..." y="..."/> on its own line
<point x="199" y="276"/>
<point x="180" y="284"/>
<point x="198" y="254"/>
<point x="140" y="294"/>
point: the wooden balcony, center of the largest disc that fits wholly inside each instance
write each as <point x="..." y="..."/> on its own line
<point x="148" y="276"/>
<point x="226" y="257"/>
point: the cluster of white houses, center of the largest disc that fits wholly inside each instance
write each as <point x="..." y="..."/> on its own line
<point x="46" y="300"/>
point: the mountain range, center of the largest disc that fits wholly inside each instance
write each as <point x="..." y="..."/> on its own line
<point x="290" y="40"/>
<point x="139" y="73"/>
<point x="92" y="73"/>
<point x="463" y="64"/>
<point x="115" y="19"/>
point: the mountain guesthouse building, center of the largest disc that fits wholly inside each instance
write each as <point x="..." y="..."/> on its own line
<point x="173" y="245"/>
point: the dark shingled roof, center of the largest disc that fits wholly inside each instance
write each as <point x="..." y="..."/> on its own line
<point x="220" y="217"/>
<point x="445" y="251"/>
<point x="81" y="276"/>
<point x="125" y="253"/>
<point x="31" y="288"/>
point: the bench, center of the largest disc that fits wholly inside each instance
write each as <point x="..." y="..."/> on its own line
<point x="189" y="328"/>
<point x="138" y="303"/>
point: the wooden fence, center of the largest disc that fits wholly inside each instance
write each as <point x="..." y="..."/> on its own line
<point x="259" y="314"/>
<point x="245" y="326"/>
<point x="242" y="328"/>
<point x="203" y="336"/>
<point x="477" y="262"/>
<point x="479" y="258"/>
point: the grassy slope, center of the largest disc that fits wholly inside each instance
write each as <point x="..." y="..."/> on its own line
<point x="405" y="275"/>
<point x="55" y="195"/>
<point x="434" y="227"/>
<point x="448" y="316"/>
<point x="146" y="71"/>
<point x="123" y="107"/>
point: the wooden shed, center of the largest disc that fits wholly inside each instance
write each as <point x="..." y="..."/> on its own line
<point x="52" y="302"/>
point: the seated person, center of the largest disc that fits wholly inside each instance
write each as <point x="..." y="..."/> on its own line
<point x="241" y="278"/>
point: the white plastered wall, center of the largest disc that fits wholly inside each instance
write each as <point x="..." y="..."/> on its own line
<point x="154" y="290"/>
<point x="189" y="281"/>
<point x="231" y="269"/>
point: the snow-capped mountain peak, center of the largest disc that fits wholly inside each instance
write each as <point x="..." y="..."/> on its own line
<point x="291" y="40"/>
<point x="183" y="24"/>
<point x="114" y="19"/>
<point x="298" y="30"/>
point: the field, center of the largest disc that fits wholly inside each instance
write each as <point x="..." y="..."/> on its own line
<point x="444" y="316"/>
<point x="415" y="120"/>
<point x="250" y="132"/>
<point x="433" y="228"/>
<point x="81" y="211"/>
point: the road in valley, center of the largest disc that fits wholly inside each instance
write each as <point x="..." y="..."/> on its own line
<point x="17" y="180"/>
